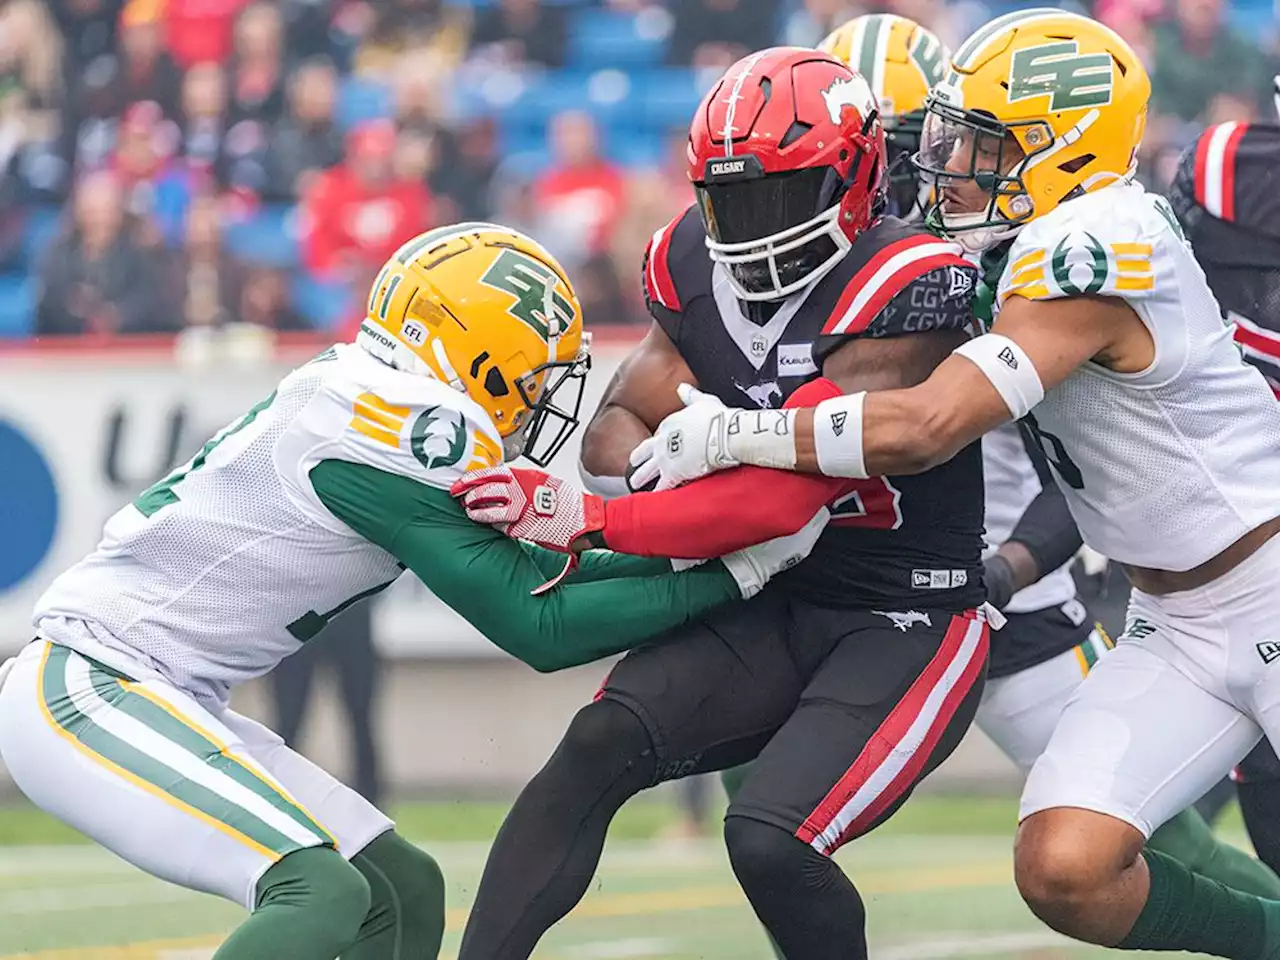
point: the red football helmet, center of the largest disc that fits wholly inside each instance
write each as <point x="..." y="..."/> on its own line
<point x="787" y="156"/>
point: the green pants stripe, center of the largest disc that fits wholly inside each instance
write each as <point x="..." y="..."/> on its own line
<point x="164" y="780"/>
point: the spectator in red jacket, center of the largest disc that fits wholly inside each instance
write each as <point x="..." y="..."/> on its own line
<point x="359" y="212"/>
<point x="199" y="31"/>
<point x="581" y="196"/>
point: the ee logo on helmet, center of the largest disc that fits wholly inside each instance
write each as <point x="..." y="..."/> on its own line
<point x="533" y="284"/>
<point x="1070" y="79"/>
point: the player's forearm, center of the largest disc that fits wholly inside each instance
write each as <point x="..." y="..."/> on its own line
<point x="597" y="564"/>
<point x="716" y="515"/>
<point x="609" y="439"/>
<point x="1047" y="531"/>
<point x="488" y="580"/>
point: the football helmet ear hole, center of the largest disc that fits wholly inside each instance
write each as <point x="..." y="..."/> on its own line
<point x="496" y="383"/>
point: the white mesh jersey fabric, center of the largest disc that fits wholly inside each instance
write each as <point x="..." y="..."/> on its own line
<point x="1180" y="460"/>
<point x="1011" y="483"/>
<point x="214" y="575"/>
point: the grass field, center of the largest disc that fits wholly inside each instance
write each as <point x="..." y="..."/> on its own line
<point x="936" y="881"/>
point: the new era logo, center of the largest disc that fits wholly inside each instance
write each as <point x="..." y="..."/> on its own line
<point x="1006" y="356"/>
<point x="1268" y="650"/>
<point x="837" y="422"/>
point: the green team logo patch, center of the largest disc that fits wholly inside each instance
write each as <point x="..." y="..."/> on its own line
<point x="438" y="438"/>
<point x="1068" y="264"/>
<point x="527" y="280"/>
<point x="1070" y="80"/>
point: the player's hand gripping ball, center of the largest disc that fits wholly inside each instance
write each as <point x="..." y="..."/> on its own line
<point x="531" y="505"/>
<point x="688" y="444"/>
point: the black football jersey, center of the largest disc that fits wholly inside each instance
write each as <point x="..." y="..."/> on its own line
<point x="893" y="542"/>
<point x="1226" y="194"/>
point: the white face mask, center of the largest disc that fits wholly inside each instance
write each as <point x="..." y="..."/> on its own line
<point x="768" y="249"/>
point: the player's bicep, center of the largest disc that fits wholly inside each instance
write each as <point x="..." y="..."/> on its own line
<point x="1060" y="335"/>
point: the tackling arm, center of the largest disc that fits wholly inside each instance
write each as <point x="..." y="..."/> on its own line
<point x="487" y="578"/>
<point x="1034" y="346"/>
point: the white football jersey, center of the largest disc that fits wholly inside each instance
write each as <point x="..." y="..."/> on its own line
<point x="1166" y="467"/>
<point x="226" y="566"/>
<point x="1011" y="483"/>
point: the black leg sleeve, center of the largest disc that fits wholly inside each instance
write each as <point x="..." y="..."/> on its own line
<point x="1259" y="792"/>
<point x="800" y="895"/>
<point x="547" y="850"/>
<point x="291" y="685"/>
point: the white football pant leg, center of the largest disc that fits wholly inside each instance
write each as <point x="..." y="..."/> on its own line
<point x="147" y="772"/>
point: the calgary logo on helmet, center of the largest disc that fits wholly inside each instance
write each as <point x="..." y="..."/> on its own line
<point x="848" y="92"/>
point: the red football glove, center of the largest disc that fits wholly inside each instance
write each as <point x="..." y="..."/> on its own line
<point x="531" y="505"/>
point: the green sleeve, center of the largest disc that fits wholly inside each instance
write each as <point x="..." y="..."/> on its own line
<point x="597" y="564"/>
<point x="487" y="578"/>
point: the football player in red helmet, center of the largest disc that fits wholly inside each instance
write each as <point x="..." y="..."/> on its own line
<point x="853" y="675"/>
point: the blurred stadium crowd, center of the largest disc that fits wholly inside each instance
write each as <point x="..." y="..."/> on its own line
<point x="174" y="164"/>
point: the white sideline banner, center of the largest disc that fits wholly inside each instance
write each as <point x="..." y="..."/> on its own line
<point x="82" y="435"/>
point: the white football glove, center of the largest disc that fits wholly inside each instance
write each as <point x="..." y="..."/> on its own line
<point x="687" y="445"/>
<point x="707" y="436"/>
<point x="753" y="567"/>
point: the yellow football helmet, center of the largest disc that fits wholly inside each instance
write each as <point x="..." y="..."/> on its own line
<point x="901" y="60"/>
<point x="490" y="312"/>
<point x="1038" y="106"/>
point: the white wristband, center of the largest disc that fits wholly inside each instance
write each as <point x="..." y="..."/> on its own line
<point x="837" y="436"/>
<point x="1008" y="368"/>
<point x="766" y="438"/>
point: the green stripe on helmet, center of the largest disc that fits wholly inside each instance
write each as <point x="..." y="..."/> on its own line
<point x="867" y="62"/>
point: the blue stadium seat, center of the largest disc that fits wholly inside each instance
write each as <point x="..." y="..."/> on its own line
<point x="605" y="38"/>
<point x="269" y="237"/>
<point x="361" y="100"/>
<point x="17" y="305"/>
<point x="322" y="304"/>
<point x="42" y="226"/>
<point x="668" y="98"/>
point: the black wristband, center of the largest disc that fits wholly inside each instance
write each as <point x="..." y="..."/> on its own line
<point x="997" y="574"/>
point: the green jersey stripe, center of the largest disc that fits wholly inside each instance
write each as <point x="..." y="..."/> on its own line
<point x="971" y="47"/>
<point x="1090" y="654"/>
<point x="147" y="772"/>
<point x="156" y="717"/>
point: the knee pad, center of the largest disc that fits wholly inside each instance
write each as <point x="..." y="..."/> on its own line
<point x="321" y="884"/>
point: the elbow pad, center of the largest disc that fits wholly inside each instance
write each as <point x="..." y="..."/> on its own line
<point x="1008" y="368"/>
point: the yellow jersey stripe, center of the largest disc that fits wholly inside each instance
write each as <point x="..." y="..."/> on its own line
<point x="375" y="432"/>
<point x="1135" y="283"/>
<point x="487" y="450"/>
<point x="1034" y="258"/>
<point x="373" y="400"/>
<point x="1131" y="249"/>
<point x="1031" y="291"/>
<point x="377" y="416"/>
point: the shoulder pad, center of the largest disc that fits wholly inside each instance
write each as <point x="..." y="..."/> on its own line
<point x="404" y="424"/>
<point x="670" y="245"/>
<point x="1106" y="243"/>
<point x="908" y="255"/>
<point x="1236" y="174"/>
